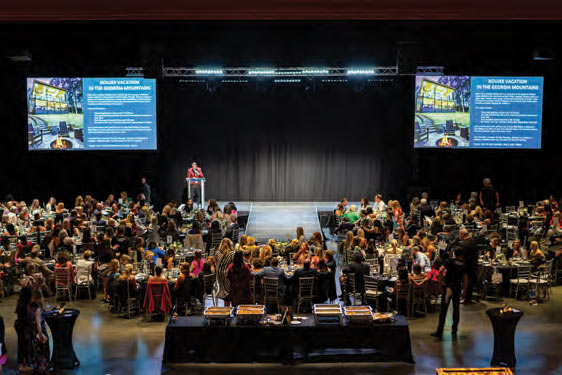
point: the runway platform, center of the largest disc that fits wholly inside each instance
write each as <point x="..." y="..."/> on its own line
<point x="280" y="220"/>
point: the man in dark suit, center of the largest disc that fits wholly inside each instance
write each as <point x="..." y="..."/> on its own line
<point x="358" y="269"/>
<point x="426" y="210"/>
<point x="274" y="271"/>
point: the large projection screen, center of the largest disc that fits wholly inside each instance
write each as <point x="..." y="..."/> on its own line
<point x="67" y="114"/>
<point x="478" y="112"/>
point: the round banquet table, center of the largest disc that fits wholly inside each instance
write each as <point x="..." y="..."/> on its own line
<point x="61" y="326"/>
<point x="504" y="326"/>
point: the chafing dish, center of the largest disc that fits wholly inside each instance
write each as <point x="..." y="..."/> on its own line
<point x="327" y="313"/>
<point x="215" y="314"/>
<point x="250" y="312"/>
<point x="358" y="314"/>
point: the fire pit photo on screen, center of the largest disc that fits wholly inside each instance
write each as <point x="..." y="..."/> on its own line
<point x="447" y="141"/>
<point x="61" y="144"/>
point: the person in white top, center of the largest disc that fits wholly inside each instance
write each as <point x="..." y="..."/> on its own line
<point x="379" y="206"/>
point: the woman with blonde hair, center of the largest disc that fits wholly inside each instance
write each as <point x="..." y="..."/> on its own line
<point x="243" y="241"/>
<point x="300" y="234"/>
<point x="265" y="254"/>
<point x="304" y="253"/>
<point x="348" y="243"/>
<point x="223" y="258"/>
<point x="394" y="249"/>
<point x="251" y="250"/>
<point x="536" y="256"/>
<point x="225" y="246"/>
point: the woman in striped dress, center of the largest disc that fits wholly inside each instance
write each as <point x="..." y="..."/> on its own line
<point x="224" y="257"/>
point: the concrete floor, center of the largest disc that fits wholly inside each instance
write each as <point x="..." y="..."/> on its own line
<point x="107" y="344"/>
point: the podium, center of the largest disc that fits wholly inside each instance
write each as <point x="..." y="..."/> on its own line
<point x="196" y="180"/>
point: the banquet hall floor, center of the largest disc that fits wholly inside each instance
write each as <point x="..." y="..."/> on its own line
<point x="108" y="344"/>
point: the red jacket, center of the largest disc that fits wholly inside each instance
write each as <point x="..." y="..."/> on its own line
<point x="191" y="174"/>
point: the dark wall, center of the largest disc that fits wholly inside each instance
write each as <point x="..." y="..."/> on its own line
<point x="277" y="142"/>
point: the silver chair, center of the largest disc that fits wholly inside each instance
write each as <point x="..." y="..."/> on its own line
<point x="522" y="281"/>
<point x="306" y="291"/>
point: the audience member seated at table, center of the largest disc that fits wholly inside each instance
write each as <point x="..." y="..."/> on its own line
<point x="316" y="240"/>
<point x="257" y="265"/>
<point x="214" y="229"/>
<point x="157" y="251"/>
<point x="515" y="251"/>
<point x="359" y="270"/>
<point x="265" y="254"/>
<point x="186" y="287"/>
<point x="433" y="274"/>
<point x="63" y="262"/>
<point x="425" y="209"/>
<point x="292" y="247"/>
<point x="344" y="226"/>
<point x="323" y="283"/>
<point x="232" y="226"/>
<point x="536" y="256"/>
<point x="251" y="250"/>
<point x="10" y="230"/>
<point x="421" y="259"/>
<point x="39" y="264"/>
<point x="418" y="277"/>
<point x="34" y="279"/>
<point x="239" y="275"/>
<point x="318" y="256"/>
<point x="303" y="254"/>
<point x="124" y="260"/>
<point x="197" y="263"/>
<point x="157" y="277"/>
<point x="84" y="269"/>
<point x="107" y="273"/>
<point x="127" y="279"/>
<point x="394" y="249"/>
<point x="352" y="214"/>
<point x="171" y="232"/>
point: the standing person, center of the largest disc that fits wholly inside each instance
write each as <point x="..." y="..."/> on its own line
<point x="450" y="276"/>
<point x="489" y="196"/>
<point x="40" y="338"/>
<point x="24" y="330"/>
<point x="240" y="276"/>
<point x="145" y="190"/>
<point x="195" y="172"/>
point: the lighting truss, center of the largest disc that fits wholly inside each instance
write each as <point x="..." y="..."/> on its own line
<point x="134" y="72"/>
<point x="240" y="72"/>
<point x="430" y="70"/>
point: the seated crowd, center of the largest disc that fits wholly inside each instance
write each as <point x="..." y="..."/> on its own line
<point x="132" y="249"/>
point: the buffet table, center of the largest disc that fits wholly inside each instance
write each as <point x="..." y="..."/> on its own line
<point x="192" y="339"/>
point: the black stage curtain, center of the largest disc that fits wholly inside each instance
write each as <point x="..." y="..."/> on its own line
<point x="286" y="144"/>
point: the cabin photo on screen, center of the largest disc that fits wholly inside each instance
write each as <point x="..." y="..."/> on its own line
<point x="442" y="118"/>
<point x="55" y="119"/>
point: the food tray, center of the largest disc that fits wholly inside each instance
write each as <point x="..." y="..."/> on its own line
<point x="324" y="313"/>
<point x="250" y="312"/>
<point x="215" y="314"/>
<point x="359" y="314"/>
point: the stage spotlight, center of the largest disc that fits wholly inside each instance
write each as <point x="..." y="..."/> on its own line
<point x="360" y="72"/>
<point x="209" y="72"/>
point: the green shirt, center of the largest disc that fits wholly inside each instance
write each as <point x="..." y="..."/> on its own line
<point x="353" y="216"/>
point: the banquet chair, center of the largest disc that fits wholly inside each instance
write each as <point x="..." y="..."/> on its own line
<point x="88" y="246"/>
<point x="216" y="239"/>
<point x="404" y="292"/>
<point x="306" y="292"/>
<point x="84" y="279"/>
<point x="209" y="288"/>
<point x="271" y="291"/>
<point x="373" y="265"/>
<point x="348" y="256"/>
<point x="157" y="298"/>
<point x="235" y="236"/>
<point x="127" y="301"/>
<point x="372" y="292"/>
<point x="434" y="291"/>
<point x="419" y="296"/>
<point x="350" y="289"/>
<point x="522" y="281"/>
<point x="63" y="282"/>
<point x="543" y="279"/>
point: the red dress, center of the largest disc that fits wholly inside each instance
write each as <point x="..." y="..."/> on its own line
<point x="240" y="278"/>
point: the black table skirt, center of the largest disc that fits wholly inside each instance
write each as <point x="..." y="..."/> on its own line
<point x="61" y="327"/>
<point x="504" y="326"/>
<point x="191" y="339"/>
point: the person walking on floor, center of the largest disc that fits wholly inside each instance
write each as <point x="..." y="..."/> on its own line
<point x="450" y="276"/>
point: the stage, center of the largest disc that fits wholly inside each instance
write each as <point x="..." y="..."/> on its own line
<point x="280" y="220"/>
